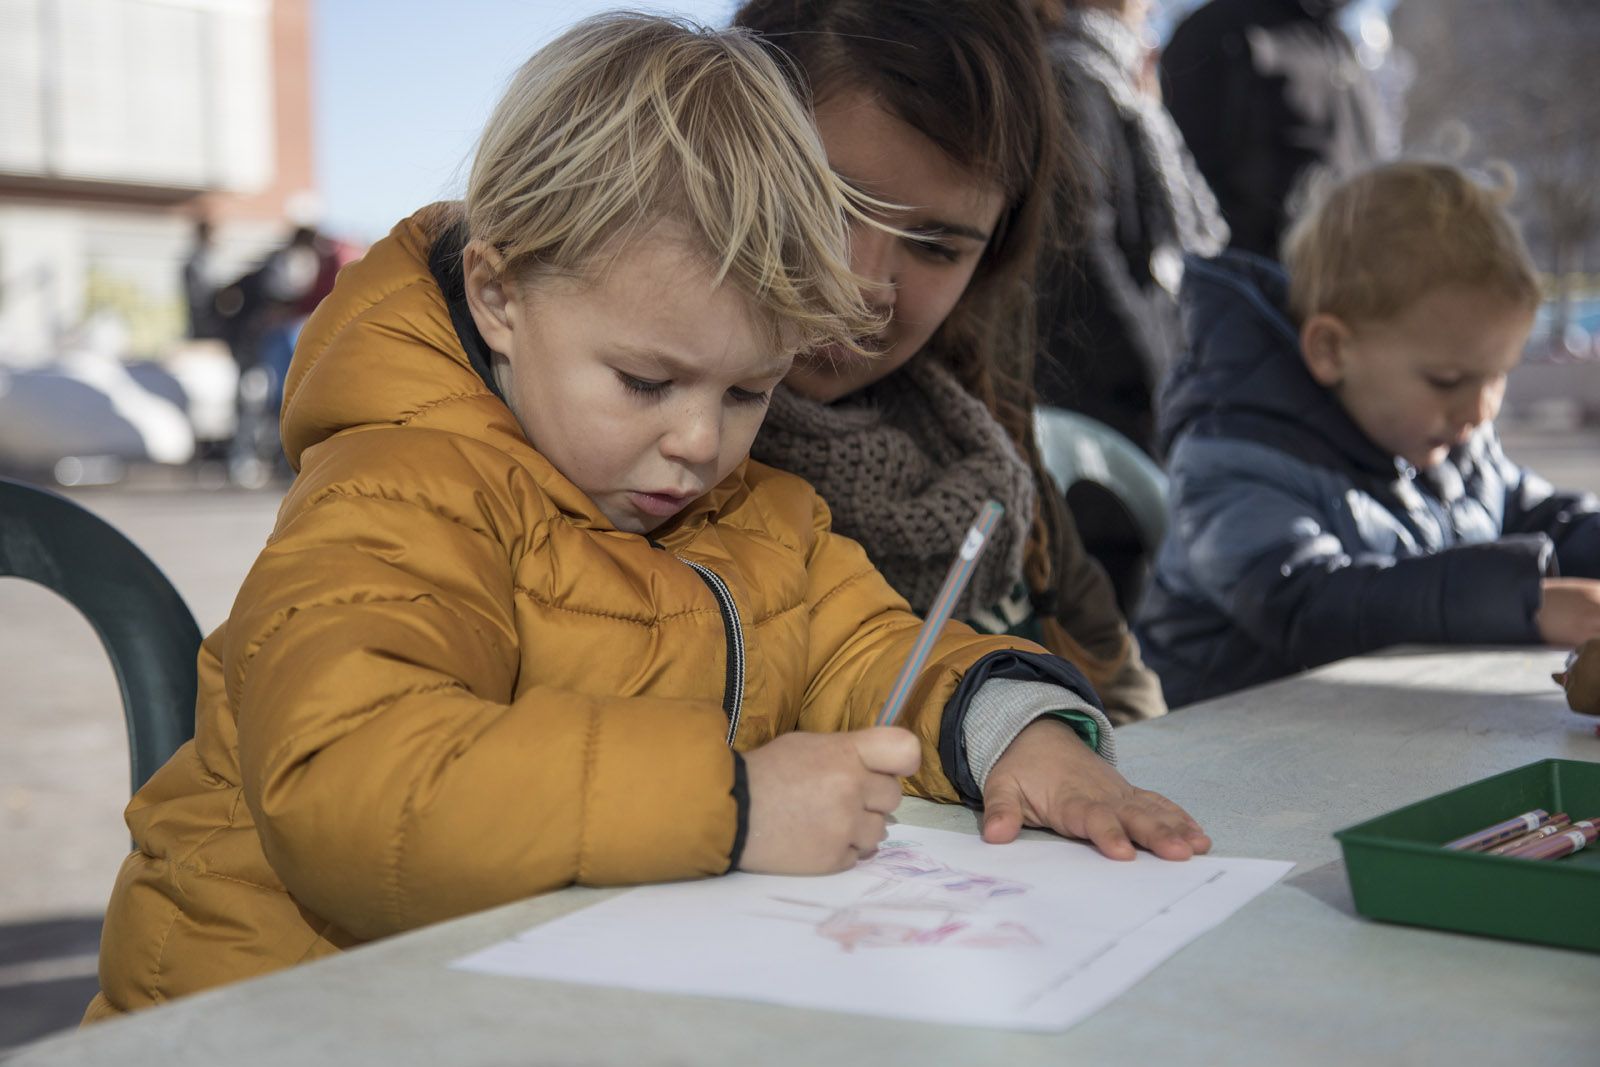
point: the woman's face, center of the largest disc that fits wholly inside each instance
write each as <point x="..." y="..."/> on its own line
<point x="917" y="280"/>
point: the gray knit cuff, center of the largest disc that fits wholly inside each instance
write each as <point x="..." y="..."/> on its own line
<point x="1003" y="706"/>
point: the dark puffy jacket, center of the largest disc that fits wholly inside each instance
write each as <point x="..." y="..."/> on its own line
<point x="1264" y="90"/>
<point x="1295" y="540"/>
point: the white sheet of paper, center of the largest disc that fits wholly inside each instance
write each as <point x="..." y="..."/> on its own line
<point x="937" y="927"/>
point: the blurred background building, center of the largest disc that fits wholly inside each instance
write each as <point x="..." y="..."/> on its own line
<point x="123" y="122"/>
<point x="125" y="125"/>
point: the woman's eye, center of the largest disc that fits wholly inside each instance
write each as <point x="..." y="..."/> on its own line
<point x="642" y="386"/>
<point x="746" y="396"/>
<point x="1443" y="383"/>
<point x="931" y="249"/>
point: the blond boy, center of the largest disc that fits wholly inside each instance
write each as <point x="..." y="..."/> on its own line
<point x="1337" y="483"/>
<point x="529" y="617"/>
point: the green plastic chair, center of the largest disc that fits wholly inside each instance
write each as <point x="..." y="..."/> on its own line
<point x="144" y="624"/>
<point x="1076" y="448"/>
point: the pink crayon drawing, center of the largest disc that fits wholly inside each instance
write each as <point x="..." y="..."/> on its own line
<point x="916" y="902"/>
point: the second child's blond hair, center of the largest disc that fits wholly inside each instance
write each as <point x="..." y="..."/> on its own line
<point x="1368" y="247"/>
<point x="627" y="120"/>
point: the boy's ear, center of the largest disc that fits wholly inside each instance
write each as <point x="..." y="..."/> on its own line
<point x="1323" y="345"/>
<point x="488" y="294"/>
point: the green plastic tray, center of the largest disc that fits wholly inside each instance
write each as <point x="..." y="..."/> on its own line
<point x="1399" y="873"/>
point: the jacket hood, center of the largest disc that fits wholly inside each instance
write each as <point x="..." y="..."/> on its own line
<point x="1241" y="374"/>
<point x="383" y="351"/>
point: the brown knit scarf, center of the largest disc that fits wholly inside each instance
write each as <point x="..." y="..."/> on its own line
<point x="903" y="465"/>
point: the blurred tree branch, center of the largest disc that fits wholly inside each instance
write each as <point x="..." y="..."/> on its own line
<point x="1523" y="81"/>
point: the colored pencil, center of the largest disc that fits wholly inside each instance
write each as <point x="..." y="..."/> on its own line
<point x="1559" y="821"/>
<point x="955" y="581"/>
<point x="1501" y="831"/>
<point x="1562" y="844"/>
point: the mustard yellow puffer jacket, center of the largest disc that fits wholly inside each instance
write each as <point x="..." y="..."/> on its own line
<point x="448" y="683"/>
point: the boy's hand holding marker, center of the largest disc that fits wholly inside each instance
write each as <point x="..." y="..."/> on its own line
<point x="818" y="803"/>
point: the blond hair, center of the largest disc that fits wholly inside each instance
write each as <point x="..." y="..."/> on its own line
<point x="626" y="120"/>
<point x="1371" y="245"/>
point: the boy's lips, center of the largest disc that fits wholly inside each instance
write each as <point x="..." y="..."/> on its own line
<point x="660" y="505"/>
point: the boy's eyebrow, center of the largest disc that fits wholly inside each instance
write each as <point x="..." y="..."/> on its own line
<point x="675" y="368"/>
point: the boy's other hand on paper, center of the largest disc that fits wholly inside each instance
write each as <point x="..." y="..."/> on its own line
<point x="1570" y="612"/>
<point x="818" y="801"/>
<point x="1048" y="777"/>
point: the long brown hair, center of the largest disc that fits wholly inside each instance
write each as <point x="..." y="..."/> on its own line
<point x="972" y="76"/>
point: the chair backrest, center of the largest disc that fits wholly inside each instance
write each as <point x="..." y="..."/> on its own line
<point x="1076" y="448"/>
<point x="144" y="624"/>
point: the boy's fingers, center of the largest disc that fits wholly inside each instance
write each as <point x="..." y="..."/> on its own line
<point x="1164" y="828"/>
<point x="1193" y="832"/>
<point x="1165" y="839"/>
<point x="1104" y="829"/>
<point x="887" y="750"/>
<point x="869" y="832"/>
<point x="1182" y="822"/>
<point x="881" y="793"/>
<point x="1002" y="812"/>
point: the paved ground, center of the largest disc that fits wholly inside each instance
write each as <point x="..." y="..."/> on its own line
<point x="63" y="767"/>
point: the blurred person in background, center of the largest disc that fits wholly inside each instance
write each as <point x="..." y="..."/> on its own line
<point x="1108" y="280"/>
<point x="265" y="309"/>
<point x="200" y="284"/>
<point x="296" y="278"/>
<point x="1108" y="306"/>
<point x="1264" y="92"/>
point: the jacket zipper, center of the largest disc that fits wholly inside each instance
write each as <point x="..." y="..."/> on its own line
<point x="733" y="688"/>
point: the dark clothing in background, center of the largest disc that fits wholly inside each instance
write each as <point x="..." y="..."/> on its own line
<point x="1107" y="292"/>
<point x="200" y="294"/>
<point x="1108" y="310"/>
<point x="1109" y="329"/>
<point x="1264" y="90"/>
<point x="1295" y="540"/>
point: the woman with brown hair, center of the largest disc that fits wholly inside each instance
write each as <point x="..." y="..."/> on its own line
<point x="945" y="108"/>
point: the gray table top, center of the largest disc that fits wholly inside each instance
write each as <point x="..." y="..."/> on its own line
<point x="1294" y="978"/>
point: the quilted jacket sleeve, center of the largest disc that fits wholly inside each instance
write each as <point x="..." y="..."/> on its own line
<point x="861" y="634"/>
<point x="1570" y="520"/>
<point x="1260" y="547"/>
<point x="372" y="659"/>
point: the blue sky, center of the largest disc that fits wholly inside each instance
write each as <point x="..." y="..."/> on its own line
<point x="402" y="88"/>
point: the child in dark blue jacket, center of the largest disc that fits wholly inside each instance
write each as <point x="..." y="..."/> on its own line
<point x="1337" y="483"/>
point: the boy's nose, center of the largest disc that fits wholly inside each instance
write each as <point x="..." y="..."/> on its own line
<point x="1483" y="406"/>
<point x="695" y="438"/>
